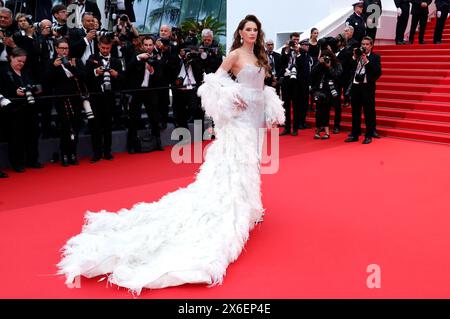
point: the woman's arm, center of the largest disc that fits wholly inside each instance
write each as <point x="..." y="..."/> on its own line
<point x="229" y="62"/>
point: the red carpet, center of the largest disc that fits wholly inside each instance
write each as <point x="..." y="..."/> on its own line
<point x="332" y="210"/>
<point x="413" y="94"/>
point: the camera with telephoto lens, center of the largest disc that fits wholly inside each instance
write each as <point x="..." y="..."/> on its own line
<point x="326" y="59"/>
<point x="190" y="55"/>
<point x="208" y="51"/>
<point x="293" y="75"/>
<point x="7" y="33"/>
<point x="332" y="87"/>
<point x="29" y="90"/>
<point x="87" y="107"/>
<point x="106" y="85"/>
<point x="4" y="101"/>
<point x="105" y="33"/>
<point x="359" y="77"/>
<point x="360" y="51"/>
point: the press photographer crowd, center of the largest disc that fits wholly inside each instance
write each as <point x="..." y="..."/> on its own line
<point x="95" y="80"/>
<point x="98" y="80"/>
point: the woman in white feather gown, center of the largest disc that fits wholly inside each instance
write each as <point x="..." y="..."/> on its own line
<point x="193" y="234"/>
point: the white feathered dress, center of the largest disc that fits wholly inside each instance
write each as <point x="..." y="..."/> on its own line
<point x="192" y="234"/>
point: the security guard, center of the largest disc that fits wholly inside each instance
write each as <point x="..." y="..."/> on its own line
<point x="356" y="20"/>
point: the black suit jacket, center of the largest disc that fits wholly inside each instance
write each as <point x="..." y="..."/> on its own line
<point x="91" y="6"/>
<point x="175" y="66"/>
<point x="367" y="3"/>
<point x="94" y="82"/>
<point x="398" y="3"/>
<point x="373" y="70"/>
<point x="277" y="60"/>
<point x="442" y="3"/>
<point x="77" y="43"/>
<point x="136" y="71"/>
<point x="58" y="80"/>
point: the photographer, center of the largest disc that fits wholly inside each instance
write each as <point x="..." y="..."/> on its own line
<point x="59" y="27"/>
<point x="22" y="126"/>
<point x="7" y="30"/>
<point x="188" y="73"/>
<point x="304" y="64"/>
<point x="165" y="51"/>
<point x="275" y="66"/>
<point x="442" y="10"/>
<point x="143" y="72"/>
<point x="104" y="75"/>
<point x="65" y="77"/>
<point x="325" y="74"/>
<point x="289" y="83"/>
<point x="344" y="54"/>
<point x="125" y="28"/>
<point x="213" y="58"/>
<point x="83" y="42"/>
<point x="367" y="70"/>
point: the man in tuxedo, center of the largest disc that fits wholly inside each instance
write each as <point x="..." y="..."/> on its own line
<point x="188" y="74"/>
<point x="304" y="63"/>
<point x="275" y="65"/>
<point x="442" y="8"/>
<point x="65" y="77"/>
<point x="104" y="75"/>
<point x="419" y="13"/>
<point x="83" y="42"/>
<point x="356" y="20"/>
<point x="59" y="13"/>
<point x="80" y="8"/>
<point x="290" y="84"/>
<point x="143" y="72"/>
<point x="7" y="30"/>
<point x="367" y="70"/>
<point x="403" y="8"/>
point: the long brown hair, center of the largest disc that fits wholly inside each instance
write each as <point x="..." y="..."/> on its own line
<point x="259" y="49"/>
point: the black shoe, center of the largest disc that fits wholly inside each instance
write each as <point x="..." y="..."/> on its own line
<point x="108" y="156"/>
<point x="376" y="135"/>
<point x="95" y="159"/>
<point x="438" y="42"/>
<point x="3" y="175"/>
<point x="73" y="160"/>
<point x="65" y="160"/>
<point x="131" y="150"/>
<point x="325" y="137"/>
<point x="336" y="130"/>
<point x="285" y="132"/>
<point x="401" y="43"/>
<point x="422" y="42"/>
<point x="367" y="140"/>
<point x="19" y="169"/>
<point x="351" y="138"/>
<point x="159" y="146"/>
<point x="35" y="165"/>
<point x="317" y="136"/>
<point x="294" y="133"/>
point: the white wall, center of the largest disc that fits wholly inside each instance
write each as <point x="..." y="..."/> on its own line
<point x="286" y="16"/>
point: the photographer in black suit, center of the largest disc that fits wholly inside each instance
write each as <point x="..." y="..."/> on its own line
<point x="367" y="70"/>
<point x="7" y="30"/>
<point x="66" y="76"/>
<point x="442" y="8"/>
<point x="21" y="116"/>
<point x="275" y="65"/>
<point x="104" y="75"/>
<point x="143" y="72"/>
<point x="188" y="74"/>
<point x="289" y="84"/>
<point x="83" y="42"/>
<point x="419" y="13"/>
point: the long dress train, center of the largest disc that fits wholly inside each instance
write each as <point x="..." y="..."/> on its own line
<point x="192" y="234"/>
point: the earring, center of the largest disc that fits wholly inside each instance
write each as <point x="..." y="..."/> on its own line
<point x="242" y="40"/>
